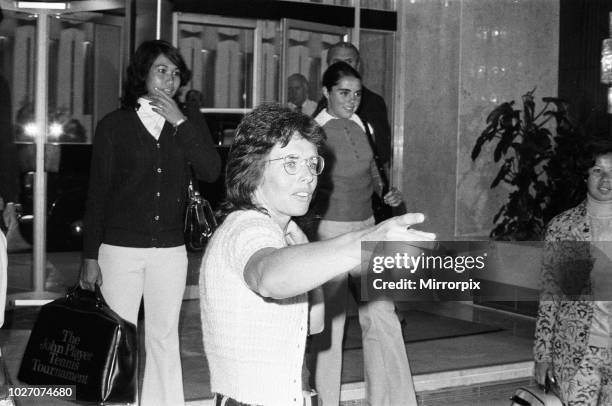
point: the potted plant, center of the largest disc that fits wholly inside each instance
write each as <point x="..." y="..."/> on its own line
<point x="539" y="166"/>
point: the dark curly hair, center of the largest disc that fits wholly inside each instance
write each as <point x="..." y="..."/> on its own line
<point x="259" y="131"/>
<point x="135" y="84"/>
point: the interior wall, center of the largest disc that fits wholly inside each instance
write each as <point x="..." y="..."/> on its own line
<point x="466" y="57"/>
<point x="431" y="113"/>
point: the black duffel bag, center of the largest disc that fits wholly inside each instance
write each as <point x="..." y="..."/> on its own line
<point x="78" y="340"/>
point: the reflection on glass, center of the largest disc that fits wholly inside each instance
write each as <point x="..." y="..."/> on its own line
<point x="270" y="69"/>
<point x="221" y="59"/>
<point x="17" y="74"/>
<point x="307" y="55"/>
<point x="70" y="81"/>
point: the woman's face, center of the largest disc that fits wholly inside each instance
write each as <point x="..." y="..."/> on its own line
<point x="599" y="182"/>
<point x="163" y="75"/>
<point x="343" y="99"/>
<point x="282" y="194"/>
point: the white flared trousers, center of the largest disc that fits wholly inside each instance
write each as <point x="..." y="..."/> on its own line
<point x="158" y="274"/>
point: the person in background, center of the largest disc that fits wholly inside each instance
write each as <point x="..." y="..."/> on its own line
<point x="372" y="107"/>
<point x="573" y="336"/>
<point x="344" y="203"/>
<point x="259" y="268"/>
<point x="133" y="243"/>
<point x="9" y="166"/>
<point x="298" y="95"/>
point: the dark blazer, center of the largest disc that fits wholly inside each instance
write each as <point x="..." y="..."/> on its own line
<point x="374" y="110"/>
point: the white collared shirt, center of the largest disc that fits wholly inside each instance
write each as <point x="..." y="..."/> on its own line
<point x="153" y="122"/>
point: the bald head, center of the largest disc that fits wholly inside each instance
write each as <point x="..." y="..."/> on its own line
<point x="345" y="52"/>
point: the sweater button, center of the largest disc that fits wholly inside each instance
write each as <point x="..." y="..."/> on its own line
<point x="159" y="170"/>
<point x="158" y="194"/>
<point x="156" y="218"/>
<point x="158" y="146"/>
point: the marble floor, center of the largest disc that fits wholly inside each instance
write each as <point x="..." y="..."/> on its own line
<point x="480" y="369"/>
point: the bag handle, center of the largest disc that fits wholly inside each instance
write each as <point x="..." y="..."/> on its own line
<point x="76" y="292"/>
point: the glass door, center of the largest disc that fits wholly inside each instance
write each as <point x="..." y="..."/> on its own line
<point x="304" y="54"/>
<point x="60" y="72"/>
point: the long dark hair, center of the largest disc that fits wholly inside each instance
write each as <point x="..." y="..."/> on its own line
<point x="135" y="84"/>
<point x="258" y="132"/>
<point x="331" y="77"/>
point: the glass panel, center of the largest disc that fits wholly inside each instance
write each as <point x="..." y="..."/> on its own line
<point x="17" y="73"/>
<point x="221" y="59"/>
<point x="270" y="62"/>
<point x="71" y="81"/>
<point x="306" y="56"/>
<point x="377" y="49"/>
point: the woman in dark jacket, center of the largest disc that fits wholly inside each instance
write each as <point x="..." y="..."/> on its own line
<point x="133" y="236"/>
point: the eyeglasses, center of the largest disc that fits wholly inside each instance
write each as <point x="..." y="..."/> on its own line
<point x="315" y="163"/>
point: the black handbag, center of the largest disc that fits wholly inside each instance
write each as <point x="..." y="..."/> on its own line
<point x="380" y="209"/>
<point x="200" y="221"/>
<point x="78" y="340"/>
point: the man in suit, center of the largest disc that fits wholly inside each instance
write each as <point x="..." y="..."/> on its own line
<point x="373" y="107"/>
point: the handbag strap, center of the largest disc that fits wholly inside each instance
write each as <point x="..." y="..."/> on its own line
<point x="379" y="165"/>
<point x="192" y="185"/>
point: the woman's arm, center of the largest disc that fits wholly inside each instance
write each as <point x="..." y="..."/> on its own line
<point x="290" y="271"/>
<point x="100" y="187"/>
<point x="549" y="300"/>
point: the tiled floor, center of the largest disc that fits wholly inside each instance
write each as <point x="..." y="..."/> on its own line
<point x="479" y="369"/>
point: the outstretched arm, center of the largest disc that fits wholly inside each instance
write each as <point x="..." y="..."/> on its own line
<point x="290" y="271"/>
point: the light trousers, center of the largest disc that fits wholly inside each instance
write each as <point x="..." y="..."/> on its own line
<point x="387" y="373"/>
<point x="158" y="274"/>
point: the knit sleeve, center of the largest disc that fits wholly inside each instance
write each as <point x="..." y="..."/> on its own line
<point x="252" y="232"/>
<point x="100" y="186"/>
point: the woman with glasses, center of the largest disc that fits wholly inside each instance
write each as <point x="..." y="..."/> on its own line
<point x="344" y="203"/>
<point x="259" y="267"/>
